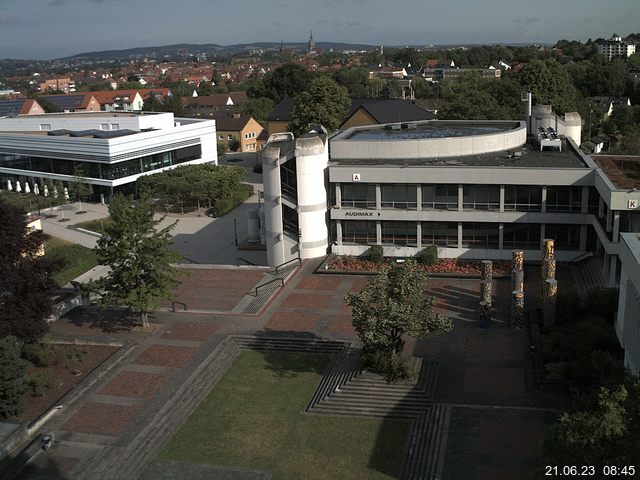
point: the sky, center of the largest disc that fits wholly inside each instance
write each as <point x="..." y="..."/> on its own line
<point x="46" y="29"/>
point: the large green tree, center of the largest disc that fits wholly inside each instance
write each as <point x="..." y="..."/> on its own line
<point x="140" y="258"/>
<point x="394" y="304"/>
<point x="12" y="371"/>
<point x="550" y="84"/>
<point x="26" y="286"/>
<point x="285" y="81"/>
<point x="605" y="433"/>
<point x="325" y="102"/>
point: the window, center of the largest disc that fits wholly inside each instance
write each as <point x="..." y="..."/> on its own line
<point x="115" y="126"/>
<point x="524" y="236"/>
<point x="481" y="197"/>
<point x="440" y="197"/>
<point x="564" y="199"/>
<point x="358" y="195"/>
<point x="45" y="126"/>
<point x="399" y="233"/>
<point x="567" y="237"/>
<point x="400" y="195"/>
<point x="104" y="126"/>
<point x="289" y="179"/>
<point x="229" y="137"/>
<point x="290" y="222"/>
<point x="220" y="137"/>
<point x="359" y="232"/>
<point x="523" y="198"/>
<point x="480" y="235"/>
<point x="442" y="234"/>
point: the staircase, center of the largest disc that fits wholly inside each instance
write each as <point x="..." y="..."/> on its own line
<point x="589" y="276"/>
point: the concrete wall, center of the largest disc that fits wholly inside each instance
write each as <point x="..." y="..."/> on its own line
<point x="627" y="324"/>
<point x="344" y="147"/>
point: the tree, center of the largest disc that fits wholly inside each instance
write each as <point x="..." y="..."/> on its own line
<point x="258" y="108"/>
<point x="605" y="433"/>
<point x="80" y="184"/>
<point x="286" y="81"/>
<point x="141" y="273"/>
<point x="355" y="80"/>
<point x="234" y="144"/>
<point x="12" y="371"/>
<point x="325" y="102"/>
<point x="550" y="84"/>
<point x="26" y="286"/>
<point x="394" y="304"/>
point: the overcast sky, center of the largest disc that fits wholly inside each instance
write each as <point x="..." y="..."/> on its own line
<point x="44" y="29"/>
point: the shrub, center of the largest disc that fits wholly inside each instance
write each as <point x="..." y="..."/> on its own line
<point x="38" y="383"/>
<point x="428" y="255"/>
<point x="226" y="204"/>
<point x="40" y="354"/>
<point x="222" y="148"/>
<point x="395" y="368"/>
<point x="12" y="384"/>
<point x="602" y="303"/>
<point x="376" y="253"/>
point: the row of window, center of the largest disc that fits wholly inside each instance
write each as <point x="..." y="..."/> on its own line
<point x="250" y="135"/>
<point x="474" y="197"/>
<point x="474" y="235"/>
<point x="106" y="171"/>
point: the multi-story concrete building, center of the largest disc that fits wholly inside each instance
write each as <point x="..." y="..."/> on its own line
<point x="475" y="189"/>
<point x="65" y="85"/>
<point x="616" y="47"/>
<point x="114" y="149"/>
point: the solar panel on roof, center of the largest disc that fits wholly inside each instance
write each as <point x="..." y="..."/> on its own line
<point x="65" y="101"/>
<point x="11" y="107"/>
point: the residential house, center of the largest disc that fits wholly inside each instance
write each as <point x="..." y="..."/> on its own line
<point x="119" y="100"/>
<point x="363" y="111"/>
<point x="616" y="47"/>
<point x="239" y="127"/>
<point x="211" y="105"/>
<point x="74" y="102"/>
<point x="19" y="106"/>
<point x="608" y="103"/>
<point x="65" y="85"/>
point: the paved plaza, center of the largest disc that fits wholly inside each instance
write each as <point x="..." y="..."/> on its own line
<point x="134" y="402"/>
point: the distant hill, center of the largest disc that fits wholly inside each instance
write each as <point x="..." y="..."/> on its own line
<point x="209" y="49"/>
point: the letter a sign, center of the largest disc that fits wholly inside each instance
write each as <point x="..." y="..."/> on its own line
<point x="355" y="177"/>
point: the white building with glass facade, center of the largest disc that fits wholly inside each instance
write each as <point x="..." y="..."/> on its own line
<point x="114" y="149"/>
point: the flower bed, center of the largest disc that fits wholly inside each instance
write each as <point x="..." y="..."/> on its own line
<point x="445" y="266"/>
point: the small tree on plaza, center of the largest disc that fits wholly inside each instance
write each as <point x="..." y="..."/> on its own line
<point x="392" y="305"/>
<point x="80" y="185"/>
<point x="138" y="253"/>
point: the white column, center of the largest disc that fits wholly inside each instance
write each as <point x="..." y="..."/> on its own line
<point x="583" y="238"/>
<point x="542" y="234"/>
<point x="419" y="234"/>
<point x="338" y="196"/>
<point x="339" y="232"/>
<point x="501" y="198"/>
<point x="459" y="234"/>
<point x="544" y="199"/>
<point x="460" y="198"/>
<point x="501" y="236"/>
<point x="378" y="197"/>
<point x="419" y="197"/>
<point x="616" y="226"/>
<point x="378" y="232"/>
<point x="613" y="266"/>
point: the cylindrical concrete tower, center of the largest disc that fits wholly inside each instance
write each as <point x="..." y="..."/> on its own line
<point x="312" y="159"/>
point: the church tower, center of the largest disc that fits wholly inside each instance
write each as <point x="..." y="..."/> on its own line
<point x="312" y="44"/>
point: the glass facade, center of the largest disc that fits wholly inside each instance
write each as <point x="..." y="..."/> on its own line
<point x="399" y="233"/>
<point x="567" y="237"/>
<point x="359" y="232"/>
<point x="400" y="195"/>
<point x="524" y="236"/>
<point x="523" y="198"/>
<point x="105" y="171"/>
<point x="358" y="195"/>
<point x="564" y="199"/>
<point x="481" y="197"/>
<point x="290" y="222"/>
<point x="442" y="234"/>
<point x="289" y="179"/>
<point x="440" y="197"/>
<point x="481" y="235"/>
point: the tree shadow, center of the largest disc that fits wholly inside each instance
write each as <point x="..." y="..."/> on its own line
<point x="288" y="362"/>
<point x="42" y="465"/>
<point x="391" y="446"/>
<point x="105" y="320"/>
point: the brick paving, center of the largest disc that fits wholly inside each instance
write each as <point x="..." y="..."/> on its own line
<point x="197" y="331"/>
<point x="216" y="288"/>
<point x="498" y="419"/>
<point x="136" y="384"/>
<point x="165" y="356"/>
<point x="293" y="321"/>
<point x="102" y="419"/>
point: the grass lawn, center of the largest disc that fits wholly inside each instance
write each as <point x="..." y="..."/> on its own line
<point x="94" y="225"/>
<point x="254" y="418"/>
<point x="78" y="259"/>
